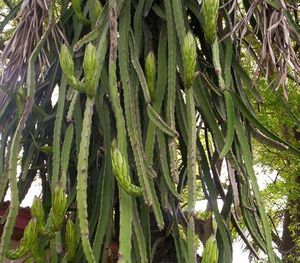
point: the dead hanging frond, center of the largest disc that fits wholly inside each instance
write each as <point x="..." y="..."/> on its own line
<point x="28" y="32"/>
<point x="32" y="22"/>
<point x="278" y="52"/>
<point x="278" y="39"/>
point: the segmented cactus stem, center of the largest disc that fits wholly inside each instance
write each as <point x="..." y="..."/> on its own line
<point x="70" y="113"/>
<point x="57" y="134"/>
<point x="82" y="175"/>
<point x="65" y="156"/>
<point x="79" y="14"/>
<point x="230" y="123"/>
<point x="189" y="62"/>
<point x="171" y="98"/>
<point x="125" y="199"/>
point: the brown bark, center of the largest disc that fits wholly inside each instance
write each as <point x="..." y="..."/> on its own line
<point x="204" y="228"/>
<point x="288" y="247"/>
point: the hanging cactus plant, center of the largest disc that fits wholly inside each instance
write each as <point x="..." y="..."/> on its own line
<point x="147" y="110"/>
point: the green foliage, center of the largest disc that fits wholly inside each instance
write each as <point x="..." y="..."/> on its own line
<point x="178" y="105"/>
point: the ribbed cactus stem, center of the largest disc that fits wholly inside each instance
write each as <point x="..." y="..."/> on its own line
<point x="57" y="134"/>
<point x="125" y="199"/>
<point x="171" y="94"/>
<point x="191" y="170"/>
<point x="189" y="54"/>
<point x="82" y="175"/>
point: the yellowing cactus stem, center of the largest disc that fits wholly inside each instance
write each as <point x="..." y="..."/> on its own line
<point x="150" y="70"/>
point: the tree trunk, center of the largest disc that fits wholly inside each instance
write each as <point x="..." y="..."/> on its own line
<point x="288" y="247"/>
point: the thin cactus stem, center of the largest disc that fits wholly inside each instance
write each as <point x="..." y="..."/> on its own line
<point x="125" y="199"/>
<point x="3" y="168"/>
<point x="171" y="88"/>
<point x="15" y="145"/>
<point x="130" y="109"/>
<point x="72" y="106"/>
<point x="134" y="130"/>
<point x="57" y="133"/>
<point x="191" y="168"/>
<point x="217" y="64"/>
<point x="82" y="175"/>
<point x="65" y="156"/>
<point x="82" y="168"/>
<point x="159" y="95"/>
